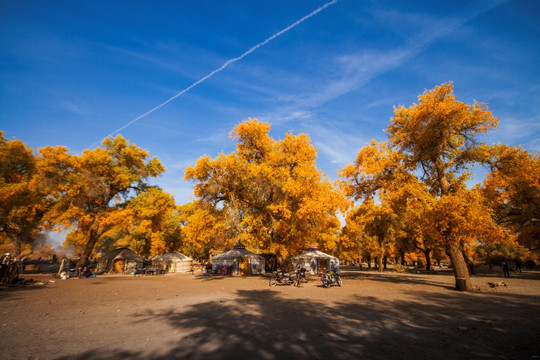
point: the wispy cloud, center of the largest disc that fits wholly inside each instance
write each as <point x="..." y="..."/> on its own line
<point x="520" y="131"/>
<point x="224" y="66"/>
<point x="336" y="143"/>
<point x="73" y="107"/>
<point x="352" y="71"/>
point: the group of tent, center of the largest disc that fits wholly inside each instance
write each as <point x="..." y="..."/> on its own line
<point x="124" y="260"/>
<point x="236" y="261"/>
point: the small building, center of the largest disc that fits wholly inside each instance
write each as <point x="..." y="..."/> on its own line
<point x="315" y="261"/>
<point x="173" y="262"/>
<point x="122" y="260"/>
<point x="238" y="261"/>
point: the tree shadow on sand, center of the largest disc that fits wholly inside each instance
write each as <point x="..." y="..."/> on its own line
<point x="261" y="324"/>
<point x="396" y="278"/>
<point x="216" y="277"/>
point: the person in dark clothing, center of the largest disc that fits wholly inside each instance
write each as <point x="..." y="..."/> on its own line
<point x="504" y="266"/>
<point x="87" y="272"/>
<point x="518" y="266"/>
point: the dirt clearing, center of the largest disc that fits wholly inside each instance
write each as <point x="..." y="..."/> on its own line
<point x="373" y="316"/>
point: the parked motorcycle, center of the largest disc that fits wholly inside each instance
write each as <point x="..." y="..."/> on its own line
<point x="331" y="277"/>
<point x="280" y="278"/>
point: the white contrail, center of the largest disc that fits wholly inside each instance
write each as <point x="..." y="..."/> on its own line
<point x="227" y="63"/>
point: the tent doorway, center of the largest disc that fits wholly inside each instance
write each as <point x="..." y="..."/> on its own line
<point x="119" y="266"/>
<point x="244" y="266"/>
<point x="323" y="265"/>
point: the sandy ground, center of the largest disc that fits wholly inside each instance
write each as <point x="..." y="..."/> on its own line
<point x="373" y="316"/>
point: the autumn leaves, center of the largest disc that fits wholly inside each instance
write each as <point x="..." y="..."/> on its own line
<point x="403" y="197"/>
<point x="269" y="193"/>
<point x="419" y="177"/>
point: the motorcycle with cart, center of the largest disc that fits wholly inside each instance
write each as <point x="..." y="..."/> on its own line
<point x="281" y="278"/>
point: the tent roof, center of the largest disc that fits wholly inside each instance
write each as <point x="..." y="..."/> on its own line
<point x="173" y="256"/>
<point x="237" y="253"/>
<point x="314" y="253"/>
<point x="122" y="253"/>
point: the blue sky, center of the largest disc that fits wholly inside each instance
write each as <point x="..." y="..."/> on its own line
<point x="73" y="72"/>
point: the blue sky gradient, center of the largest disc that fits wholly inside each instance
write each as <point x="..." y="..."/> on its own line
<point x="73" y="72"/>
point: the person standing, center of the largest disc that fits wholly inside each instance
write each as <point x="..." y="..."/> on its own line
<point x="518" y="265"/>
<point x="504" y="266"/>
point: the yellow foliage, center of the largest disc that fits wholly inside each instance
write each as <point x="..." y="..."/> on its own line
<point x="88" y="189"/>
<point x="269" y="192"/>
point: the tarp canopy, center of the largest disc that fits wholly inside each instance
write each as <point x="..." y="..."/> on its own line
<point x="315" y="261"/>
<point x="173" y="262"/>
<point x="240" y="261"/>
<point x="122" y="260"/>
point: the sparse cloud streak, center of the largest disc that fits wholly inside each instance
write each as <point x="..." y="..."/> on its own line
<point x="223" y="67"/>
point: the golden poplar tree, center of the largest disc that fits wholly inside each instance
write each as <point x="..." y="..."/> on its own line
<point x="91" y="189"/>
<point x="431" y="145"/>
<point x="22" y="203"/>
<point x="270" y="192"/>
<point x="512" y="189"/>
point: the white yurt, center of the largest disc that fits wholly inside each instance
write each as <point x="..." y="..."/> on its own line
<point x="315" y="261"/>
<point x="238" y="261"/>
<point x="173" y="262"/>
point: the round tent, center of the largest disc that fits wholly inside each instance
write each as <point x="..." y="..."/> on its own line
<point x="315" y="261"/>
<point x="122" y="260"/>
<point x="238" y="261"/>
<point x="173" y="262"/>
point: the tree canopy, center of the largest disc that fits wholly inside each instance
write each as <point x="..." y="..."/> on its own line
<point x="430" y="147"/>
<point x="270" y="193"/>
<point x="91" y="189"/>
<point x="22" y="202"/>
<point x="408" y="194"/>
<point x="512" y="190"/>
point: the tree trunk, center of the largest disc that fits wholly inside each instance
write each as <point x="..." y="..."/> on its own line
<point x="94" y="236"/>
<point x="61" y="266"/>
<point x="461" y="271"/>
<point x="16" y="241"/>
<point x="380" y="260"/>
<point x="427" y="254"/>
<point x="470" y="264"/>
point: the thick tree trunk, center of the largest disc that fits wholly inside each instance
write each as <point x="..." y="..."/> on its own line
<point x="470" y="264"/>
<point x="94" y="236"/>
<point x="16" y="241"/>
<point x="380" y="260"/>
<point x="427" y="254"/>
<point x="461" y="271"/>
<point x="488" y="260"/>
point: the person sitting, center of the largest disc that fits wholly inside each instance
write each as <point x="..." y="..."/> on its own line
<point x="87" y="272"/>
<point x="279" y="274"/>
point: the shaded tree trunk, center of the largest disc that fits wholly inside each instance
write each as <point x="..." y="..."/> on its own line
<point x="461" y="271"/>
<point x="16" y="241"/>
<point x="93" y="238"/>
<point x="427" y="254"/>
<point x="470" y="263"/>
